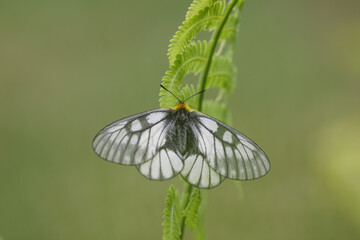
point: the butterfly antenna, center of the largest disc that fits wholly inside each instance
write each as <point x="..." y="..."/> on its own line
<point x="194" y="95"/>
<point x="170" y="92"/>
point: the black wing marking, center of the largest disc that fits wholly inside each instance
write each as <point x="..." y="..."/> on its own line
<point x="132" y="140"/>
<point x="229" y="152"/>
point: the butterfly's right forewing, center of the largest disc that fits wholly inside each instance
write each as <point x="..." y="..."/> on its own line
<point x="227" y="151"/>
<point x="132" y="140"/>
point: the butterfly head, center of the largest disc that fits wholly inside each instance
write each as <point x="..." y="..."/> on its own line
<point x="182" y="104"/>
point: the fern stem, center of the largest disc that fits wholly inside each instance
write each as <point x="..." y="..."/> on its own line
<point x="185" y="202"/>
<point x="212" y="50"/>
<point x="188" y="187"/>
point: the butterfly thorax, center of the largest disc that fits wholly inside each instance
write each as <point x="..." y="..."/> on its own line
<point x="181" y="136"/>
<point x="183" y="106"/>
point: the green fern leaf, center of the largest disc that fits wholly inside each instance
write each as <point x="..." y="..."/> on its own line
<point x="192" y="61"/>
<point x="187" y="91"/>
<point x="229" y="31"/>
<point x="191" y="211"/>
<point x="197" y="6"/>
<point x="217" y="110"/>
<point x="222" y="74"/>
<point x="172" y="216"/>
<point x="206" y="19"/>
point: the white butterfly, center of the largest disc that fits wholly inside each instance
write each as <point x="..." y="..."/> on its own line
<point x="165" y="142"/>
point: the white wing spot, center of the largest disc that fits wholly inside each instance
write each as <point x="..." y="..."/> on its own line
<point x="136" y="125"/>
<point x="155" y="117"/>
<point x="227" y="137"/>
<point x="210" y="124"/>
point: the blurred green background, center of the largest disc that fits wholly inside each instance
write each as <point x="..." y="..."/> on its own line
<point x="68" y="68"/>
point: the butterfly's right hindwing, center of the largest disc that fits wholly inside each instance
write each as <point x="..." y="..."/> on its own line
<point x="132" y="140"/>
<point x="198" y="172"/>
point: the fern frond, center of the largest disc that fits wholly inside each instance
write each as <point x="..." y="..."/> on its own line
<point x="230" y="28"/>
<point x="214" y="60"/>
<point x="191" y="211"/>
<point x="172" y="216"/>
<point x="221" y="74"/>
<point x="217" y="110"/>
<point x="197" y="6"/>
<point x="187" y="91"/>
<point x="206" y="19"/>
<point x="192" y="61"/>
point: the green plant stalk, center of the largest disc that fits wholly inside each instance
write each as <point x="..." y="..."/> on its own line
<point x="212" y="50"/>
<point x="186" y="198"/>
<point x="188" y="188"/>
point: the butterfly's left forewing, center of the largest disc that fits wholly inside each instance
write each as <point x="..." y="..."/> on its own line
<point x="227" y="151"/>
<point x="132" y="140"/>
<point x="140" y="140"/>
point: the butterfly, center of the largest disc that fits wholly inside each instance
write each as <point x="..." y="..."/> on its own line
<point x="165" y="142"/>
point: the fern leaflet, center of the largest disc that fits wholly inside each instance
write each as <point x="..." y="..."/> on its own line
<point x="208" y="18"/>
<point x="172" y="216"/>
<point x="192" y="61"/>
<point x="197" y="6"/>
<point x="191" y="211"/>
<point x="221" y="74"/>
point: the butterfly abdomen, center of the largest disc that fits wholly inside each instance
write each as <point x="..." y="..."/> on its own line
<point x="180" y="133"/>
